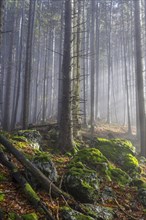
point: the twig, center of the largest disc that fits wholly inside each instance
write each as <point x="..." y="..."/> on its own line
<point x="130" y="216"/>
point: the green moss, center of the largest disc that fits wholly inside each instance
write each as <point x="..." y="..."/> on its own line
<point x="119" y="176"/>
<point x="130" y="163"/>
<point x="41" y="156"/>
<point x="92" y="157"/>
<point x="82" y="183"/>
<point x="31" y="193"/>
<point x="2" y="197"/>
<point x="98" y="212"/>
<point x="13" y="216"/>
<point x="31" y="216"/>
<point x="19" y="138"/>
<point x="139" y="183"/>
<point x="2" y="177"/>
<point x="113" y="149"/>
<point x="119" y="143"/>
<point x="120" y="152"/>
<point x="69" y="214"/>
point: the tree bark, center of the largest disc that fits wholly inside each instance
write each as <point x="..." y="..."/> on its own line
<point x="27" y="76"/>
<point x="65" y="133"/>
<point x="139" y="78"/>
<point x="92" y="48"/>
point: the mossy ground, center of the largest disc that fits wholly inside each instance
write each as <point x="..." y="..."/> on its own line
<point x="91" y="162"/>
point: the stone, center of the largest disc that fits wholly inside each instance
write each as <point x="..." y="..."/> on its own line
<point x="98" y="212"/>
<point x="69" y="214"/>
<point x="142" y="196"/>
<point x="82" y="183"/>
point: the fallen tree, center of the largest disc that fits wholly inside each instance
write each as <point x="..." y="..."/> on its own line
<point x="26" y="187"/>
<point x="45" y="182"/>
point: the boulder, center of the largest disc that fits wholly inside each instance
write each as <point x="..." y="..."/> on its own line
<point x="32" y="136"/>
<point x="82" y="183"/>
<point x="43" y="162"/>
<point x="99" y="212"/>
<point x="120" y="152"/>
<point x="69" y="214"/>
<point x="142" y="196"/>
<point x="91" y="212"/>
<point x="92" y="158"/>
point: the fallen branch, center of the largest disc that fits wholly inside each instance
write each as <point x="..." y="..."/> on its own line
<point x="26" y="187"/>
<point x="121" y="208"/>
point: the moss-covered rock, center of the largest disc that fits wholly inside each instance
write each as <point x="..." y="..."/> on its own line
<point x="92" y="158"/>
<point x="120" y="152"/>
<point x="32" y="136"/>
<point x="119" y="176"/>
<point x="69" y="214"/>
<point x="90" y="212"/>
<point x="82" y="183"/>
<point x="99" y="212"/>
<point x="121" y="144"/>
<point x="42" y="160"/>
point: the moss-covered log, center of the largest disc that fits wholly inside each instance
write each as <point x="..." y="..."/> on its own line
<point x="40" y="177"/>
<point x="27" y="189"/>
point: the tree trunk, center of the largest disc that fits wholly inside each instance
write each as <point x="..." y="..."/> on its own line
<point x="65" y="133"/>
<point x="8" y="87"/>
<point x="92" y="48"/>
<point x="27" y="76"/>
<point x="139" y="78"/>
<point x="76" y="68"/>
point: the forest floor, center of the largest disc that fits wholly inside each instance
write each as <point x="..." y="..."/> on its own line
<point x="126" y="206"/>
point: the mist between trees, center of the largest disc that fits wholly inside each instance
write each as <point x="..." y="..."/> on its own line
<point x="76" y="62"/>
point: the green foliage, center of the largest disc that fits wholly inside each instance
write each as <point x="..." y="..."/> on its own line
<point x="31" y="216"/>
<point x="41" y="156"/>
<point x="2" y="196"/>
<point x="13" y="216"/>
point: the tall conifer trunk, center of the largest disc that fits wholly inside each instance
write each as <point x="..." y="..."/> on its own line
<point x="65" y="134"/>
<point x="139" y="78"/>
